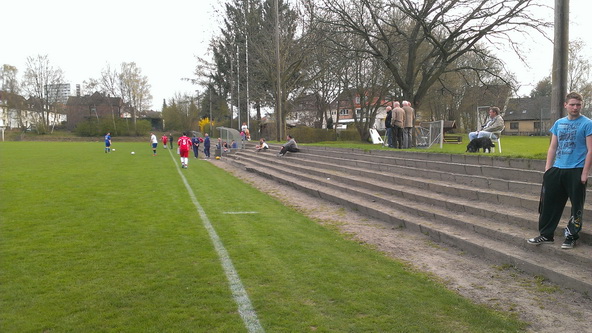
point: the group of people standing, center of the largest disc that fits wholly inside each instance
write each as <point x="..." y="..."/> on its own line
<point x="399" y="123"/>
<point x="184" y="144"/>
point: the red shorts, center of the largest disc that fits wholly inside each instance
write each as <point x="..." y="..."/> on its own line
<point x="183" y="153"/>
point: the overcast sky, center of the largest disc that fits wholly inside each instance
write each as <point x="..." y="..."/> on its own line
<point x="163" y="38"/>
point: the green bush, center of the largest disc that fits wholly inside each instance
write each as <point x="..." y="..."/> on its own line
<point x="309" y="135"/>
<point x="350" y="134"/>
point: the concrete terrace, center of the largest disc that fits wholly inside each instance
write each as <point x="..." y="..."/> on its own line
<point x="483" y="204"/>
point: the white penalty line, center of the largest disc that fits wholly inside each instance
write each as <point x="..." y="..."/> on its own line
<point x="245" y="308"/>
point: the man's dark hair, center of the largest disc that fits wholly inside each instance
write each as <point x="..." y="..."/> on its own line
<point x="495" y="109"/>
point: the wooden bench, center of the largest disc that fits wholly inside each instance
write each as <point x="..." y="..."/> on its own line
<point x="453" y="139"/>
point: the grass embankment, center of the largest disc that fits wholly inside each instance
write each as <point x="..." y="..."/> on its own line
<point x="95" y="242"/>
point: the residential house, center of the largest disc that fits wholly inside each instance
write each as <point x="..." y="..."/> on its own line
<point x="528" y="116"/>
<point x="304" y="110"/>
<point x="97" y="105"/>
<point x="18" y="112"/>
<point x="343" y="110"/>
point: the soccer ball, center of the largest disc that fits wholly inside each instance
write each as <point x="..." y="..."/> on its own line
<point x="217" y="157"/>
<point x="133" y="153"/>
<point x="113" y="149"/>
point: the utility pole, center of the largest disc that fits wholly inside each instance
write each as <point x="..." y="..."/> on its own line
<point x="278" y="102"/>
<point x="247" y="63"/>
<point x="560" y="59"/>
<point x="238" y="106"/>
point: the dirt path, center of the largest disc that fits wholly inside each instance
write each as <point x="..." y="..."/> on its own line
<point x="547" y="307"/>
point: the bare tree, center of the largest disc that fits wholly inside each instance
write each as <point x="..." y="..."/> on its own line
<point x="135" y="89"/>
<point x="39" y="77"/>
<point x="419" y="41"/>
<point x="578" y="75"/>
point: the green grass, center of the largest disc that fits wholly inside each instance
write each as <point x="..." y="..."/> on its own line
<point x="529" y="147"/>
<point x="95" y="242"/>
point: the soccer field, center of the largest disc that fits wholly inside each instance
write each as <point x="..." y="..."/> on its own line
<point x="97" y="242"/>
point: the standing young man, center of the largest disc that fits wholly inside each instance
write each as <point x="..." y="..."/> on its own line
<point x="153" y="142"/>
<point x="195" y="145"/>
<point x="184" y="144"/>
<point x="108" y="142"/>
<point x="207" y="146"/>
<point x="566" y="173"/>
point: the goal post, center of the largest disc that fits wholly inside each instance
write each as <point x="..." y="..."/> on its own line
<point x="429" y="133"/>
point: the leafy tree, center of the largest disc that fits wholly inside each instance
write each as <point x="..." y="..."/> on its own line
<point x="8" y="79"/>
<point x="10" y="85"/>
<point x="543" y="88"/>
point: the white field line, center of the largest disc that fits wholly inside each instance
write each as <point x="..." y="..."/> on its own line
<point x="245" y="309"/>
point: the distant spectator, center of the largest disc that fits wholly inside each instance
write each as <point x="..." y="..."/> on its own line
<point x="290" y="146"/>
<point x="207" y="146"/>
<point x="171" y="140"/>
<point x="195" y="145"/>
<point x="409" y="124"/>
<point x="262" y="145"/>
<point x="494" y="123"/>
<point x="398" y="124"/>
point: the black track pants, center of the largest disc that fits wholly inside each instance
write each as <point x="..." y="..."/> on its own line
<point x="558" y="186"/>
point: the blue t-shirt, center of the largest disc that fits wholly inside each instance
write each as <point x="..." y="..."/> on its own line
<point x="107" y="139"/>
<point x="571" y="141"/>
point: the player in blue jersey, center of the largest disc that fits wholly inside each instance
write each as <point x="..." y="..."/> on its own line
<point x="108" y="143"/>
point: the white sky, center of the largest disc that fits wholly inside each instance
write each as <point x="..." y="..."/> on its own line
<point x="163" y="38"/>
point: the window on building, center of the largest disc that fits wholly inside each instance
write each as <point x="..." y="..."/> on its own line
<point x="537" y="125"/>
<point x="343" y="112"/>
<point x="514" y="125"/>
<point x="358" y="111"/>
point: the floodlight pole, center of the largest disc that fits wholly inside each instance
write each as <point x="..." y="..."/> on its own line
<point x="560" y="59"/>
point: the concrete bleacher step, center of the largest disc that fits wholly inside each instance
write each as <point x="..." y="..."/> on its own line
<point x="445" y="212"/>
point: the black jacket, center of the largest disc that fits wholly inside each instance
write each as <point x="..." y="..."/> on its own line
<point x="387" y="121"/>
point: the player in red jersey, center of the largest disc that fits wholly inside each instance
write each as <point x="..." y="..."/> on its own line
<point x="164" y="139"/>
<point x="185" y="145"/>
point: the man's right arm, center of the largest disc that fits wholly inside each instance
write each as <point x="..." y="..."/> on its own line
<point x="551" y="153"/>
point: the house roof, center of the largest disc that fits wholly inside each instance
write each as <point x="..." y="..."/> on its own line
<point x="96" y="99"/>
<point x="528" y="108"/>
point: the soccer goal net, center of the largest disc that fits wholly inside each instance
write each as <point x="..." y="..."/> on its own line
<point x="429" y="133"/>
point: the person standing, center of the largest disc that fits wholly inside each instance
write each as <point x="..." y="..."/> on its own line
<point x="389" y="126"/>
<point x="207" y="146"/>
<point x="409" y="124"/>
<point x="195" y="145"/>
<point x="171" y="140"/>
<point x="397" y="123"/>
<point x="164" y="139"/>
<point x="184" y="144"/>
<point x="566" y="174"/>
<point x="154" y="142"/>
<point x="494" y="123"/>
<point x="108" y="142"/>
